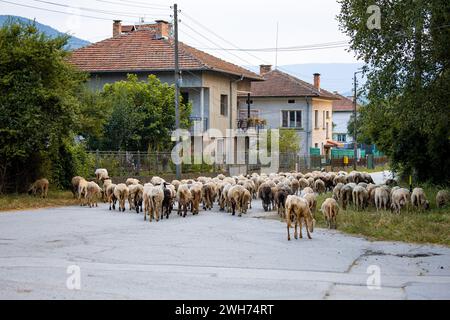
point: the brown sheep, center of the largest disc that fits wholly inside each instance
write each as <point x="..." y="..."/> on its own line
<point x="442" y="198"/>
<point x="330" y="210"/>
<point x="399" y="199"/>
<point x="381" y="197"/>
<point x="40" y="186"/>
<point x="196" y="192"/>
<point x="121" y="192"/>
<point x="110" y="196"/>
<point x="319" y="186"/>
<point x="311" y="198"/>
<point x="135" y="196"/>
<point x="184" y="198"/>
<point x="82" y="191"/>
<point x="101" y="175"/>
<point x="208" y="195"/>
<point x="280" y="201"/>
<point x="337" y="191"/>
<point x="235" y="197"/>
<point x="298" y="209"/>
<point x="266" y="196"/>
<point x="93" y="191"/>
<point x="155" y="196"/>
<point x="303" y="183"/>
<point x="75" y="182"/>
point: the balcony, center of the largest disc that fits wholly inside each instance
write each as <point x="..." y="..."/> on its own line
<point x="198" y="126"/>
<point x="248" y="123"/>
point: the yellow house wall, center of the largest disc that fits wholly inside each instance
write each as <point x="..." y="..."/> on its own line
<point x="319" y="134"/>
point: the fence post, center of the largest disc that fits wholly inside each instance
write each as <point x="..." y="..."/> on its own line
<point x="96" y="159"/>
<point x="138" y="163"/>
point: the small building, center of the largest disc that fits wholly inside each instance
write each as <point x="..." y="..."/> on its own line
<point x="209" y="83"/>
<point x="342" y="112"/>
<point x="284" y="101"/>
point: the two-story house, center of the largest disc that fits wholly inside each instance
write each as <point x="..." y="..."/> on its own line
<point x="209" y="83"/>
<point x="285" y="101"/>
<point x="342" y="112"/>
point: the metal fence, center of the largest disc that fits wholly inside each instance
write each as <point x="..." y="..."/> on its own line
<point x="141" y="164"/>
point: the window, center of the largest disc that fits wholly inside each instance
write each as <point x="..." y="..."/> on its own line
<point x="323" y="119"/>
<point x="291" y="119"/>
<point x="328" y="132"/>
<point x="316" y="145"/>
<point x="342" y="137"/>
<point x="328" y="114"/>
<point x="316" y="119"/>
<point x="291" y="101"/>
<point x="224" y="105"/>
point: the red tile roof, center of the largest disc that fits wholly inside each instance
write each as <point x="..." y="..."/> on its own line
<point x="343" y="104"/>
<point x="280" y="84"/>
<point x="140" y="51"/>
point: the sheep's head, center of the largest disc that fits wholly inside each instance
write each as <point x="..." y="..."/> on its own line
<point x="426" y="205"/>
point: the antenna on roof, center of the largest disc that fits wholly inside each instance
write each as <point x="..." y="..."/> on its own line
<point x="276" y="49"/>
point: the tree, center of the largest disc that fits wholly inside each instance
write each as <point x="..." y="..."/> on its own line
<point x="38" y="105"/>
<point x="408" y="113"/>
<point x="142" y="114"/>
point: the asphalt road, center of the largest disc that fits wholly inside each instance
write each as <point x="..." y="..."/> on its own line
<point x="210" y="256"/>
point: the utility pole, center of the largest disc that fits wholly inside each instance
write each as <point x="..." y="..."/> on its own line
<point x="248" y="106"/>
<point x="177" y="81"/>
<point x="276" y="50"/>
<point x="355" y="146"/>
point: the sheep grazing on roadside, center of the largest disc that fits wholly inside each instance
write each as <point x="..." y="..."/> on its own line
<point x="330" y="210"/>
<point x="121" y="193"/>
<point x="93" y="191"/>
<point x="280" y="201"/>
<point x="419" y="199"/>
<point x="346" y="195"/>
<point x="135" y="197"/>
<point x="442" y="198"/>
<point x="75" y="182"/>
<point x="371" y="191"/>
<point x="337" y="191"/>
<point x="235" y="197"/>
<point x="110" y="196"/>
<point x="360" y="197"/>
<point x="196" y="192"/>
<point x="311" y="198"/>
<point x="265" y="194"/>
<point x="101" y="175"/>
<point x="155" y="198"/>
<point x="400" y="198"/>
<point x="82" y="191"/>
<point x="297" y="209"/>
<point x="319" y="186"/>
<point x="381" y="197"/>
<point x="132" y="181"/>
<point x="184" y="198"/>
<point x="39" y="186"/>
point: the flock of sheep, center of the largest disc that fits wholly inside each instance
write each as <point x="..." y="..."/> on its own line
<point x="292" y="195"/>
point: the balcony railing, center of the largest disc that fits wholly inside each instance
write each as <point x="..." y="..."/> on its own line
<point x="247" y="123"/>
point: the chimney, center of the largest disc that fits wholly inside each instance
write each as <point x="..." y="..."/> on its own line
<point x="163" y="29"/>
<point x="117" y="28"/>
<point x="264" y="68"/>
<point x="317" y="81"/>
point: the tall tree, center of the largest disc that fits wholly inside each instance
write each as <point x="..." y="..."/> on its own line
<point x="407" y="60"/>
<point x="38" y="103"/>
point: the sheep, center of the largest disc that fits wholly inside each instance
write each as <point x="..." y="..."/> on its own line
<point x="156" y="181"/>
<point x="442" y="198"/>
<point x="155" y="198"/>
<point x="101" y="175"/>
<point x="246" y="201"/>
<point x="419" y="199"/>
<point x="75" y="182"/>
<point x="337" y="191"/>
<point x="400" y="198"/>
<point x="40" y="186"/>
<point x="306" y="190"/>
<point x="106" y="183"/>
<point x="82" y="191"/>
<point x="110" y="196"/>
<point x="135" y="196"/>
<point x="235" y="195"/>
<point x="184" y="198"/>
<point x="208" y="195"/>
<point x="346" y="195"/>
<point x="132" y="181"/>
<point x="121" y="192"/>
<point x="265" y="194"/>
<point x="176" y="184"/>
<point x="295" y="185"/>
<point x="93" y="190"/>
<point x="381" y="197"/>
<point x="311" y="198"/>
<point x="330" y="210"/>
<point x="167" y="204"/>
<point x="360" y="197"/>
<point x="298" y="209"/>
<point x="280" y="201"/>
<point x="319" y="186"/>
<point x="371" y="191"/>
<point x="223" y="199"/>
<point x="196" y="192"/>
<point x="250" y="186"/>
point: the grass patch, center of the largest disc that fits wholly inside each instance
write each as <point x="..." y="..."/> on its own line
<point x="430" y="226"/>
<point x="55" y="198"/>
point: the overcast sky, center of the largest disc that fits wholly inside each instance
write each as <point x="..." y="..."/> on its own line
<point x="244" y="23"/>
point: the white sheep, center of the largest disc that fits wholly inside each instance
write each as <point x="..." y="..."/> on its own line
<point x="121" y="192"/>
<point x="330" y="210"/>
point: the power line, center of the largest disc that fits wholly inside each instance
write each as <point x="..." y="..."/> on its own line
<point x="134" y="6"/>
<point x="144" y="3"/>
<point x="57" y="11"/>
<point x="290" y="49"/>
